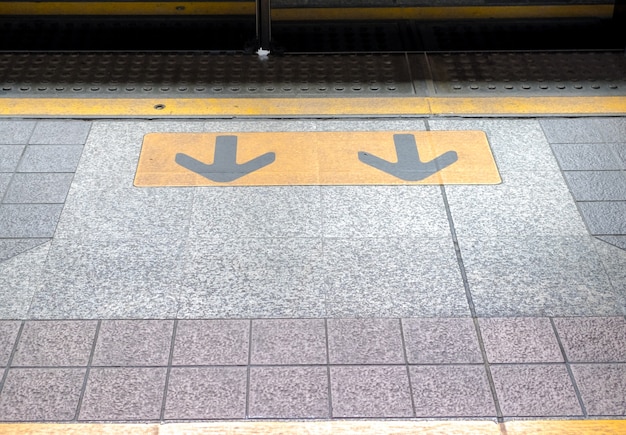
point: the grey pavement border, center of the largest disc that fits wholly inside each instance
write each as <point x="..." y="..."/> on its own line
<point x="59" y="371"/>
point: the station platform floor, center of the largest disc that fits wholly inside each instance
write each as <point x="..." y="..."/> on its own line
<point x="479" y="303"/>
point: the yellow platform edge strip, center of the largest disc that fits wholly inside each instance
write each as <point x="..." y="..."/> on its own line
<point x="545" y="427"/>
<point x="308" y="13"/>
<point x="303" y="107"/>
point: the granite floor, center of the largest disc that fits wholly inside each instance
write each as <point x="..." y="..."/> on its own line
<point x="458" y="301"/>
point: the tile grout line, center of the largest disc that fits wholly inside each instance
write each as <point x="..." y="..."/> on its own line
<point x="13" y="352"/>
<point x="81" y="397"/>
<point x="468" y="296"/>
<point x="247" y="414"/>
<point x="569" y="368"/>
<point x="168" y="371"/>
<point x="408" y="372"/>
<point x="330" y="392"/>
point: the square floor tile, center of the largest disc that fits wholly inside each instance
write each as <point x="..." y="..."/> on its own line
<point x="50" y="158"/>
<point x="597" y="185"/>
<point x="384" y="211"/>
<point x="604" y="217"/>
<point x="123" y="394"/>
<point x="60" y="132"/>
<point x="202" y="393"/>
<point x="38" y="188"/>
<point x="5" y="180"/>
<point x="29" y="220"/>
<point x="392" y="277"/>
<point x="16" y="132"/>
<point x="212" y="342"/>
<point x="441" y="341"/>
<point x="276" y="211"/>
<point x="55" y="343"/>
<point x="10" y="156"/>
<point x="537" y="276"/>
<point x="41" y="394"/>
<point x="593" y="339"/>
<point x="602" y="387"/>
<point x="586" y="157"/>
<point x="8" y="334"/>
<point x="577" y="130"/>
<point x="451" y="391"/>
<point x="520" y="340"/>
<point x="289" y="341"/>
<point x="535" y="391"/>
<point x="365" y="341"/>
<point x="370" y="392"/>
<point x="289" y="392"/>
<point x="133" y="343"/>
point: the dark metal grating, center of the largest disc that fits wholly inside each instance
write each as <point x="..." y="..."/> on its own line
<point x="556" y="73"/>
<point x="200" y="74"/>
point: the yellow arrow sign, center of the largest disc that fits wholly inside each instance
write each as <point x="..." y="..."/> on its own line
<point x="316" y="158"/>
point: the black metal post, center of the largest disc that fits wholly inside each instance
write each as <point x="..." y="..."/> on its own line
<point x="263" y="24"/>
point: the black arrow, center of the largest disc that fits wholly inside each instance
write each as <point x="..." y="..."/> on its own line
<point x="225" y="167"/>
<point x="409" y="167"/>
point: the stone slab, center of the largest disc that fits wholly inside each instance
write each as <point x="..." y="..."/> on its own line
<point x="10" y="156"/>
<point x="50" y="158"/>
<point x="61" y="132"/>
<point x="582" y="130"/>
<point x="14" y="132"/>
<point x="597" y="185"/>
<point x="604" y="217"/>
<point x="29" y="220"/>
<point x="38" y="188"/>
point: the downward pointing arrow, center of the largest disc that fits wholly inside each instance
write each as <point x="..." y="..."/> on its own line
<point x="225" y="167"/>
<point x="409" y="167"/>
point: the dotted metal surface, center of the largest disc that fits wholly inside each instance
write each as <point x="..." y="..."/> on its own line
<point x="180" y="75"/>
<point x="536" y="74"/>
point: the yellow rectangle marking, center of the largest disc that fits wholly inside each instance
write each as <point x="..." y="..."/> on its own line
<point x="359" y="106"/>
<point x="318" y="158"/>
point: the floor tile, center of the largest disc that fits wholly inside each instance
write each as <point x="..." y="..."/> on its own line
<point x="586" y="157"/>
<point x="517" y="144"/>
<point x="526" y="204"/>
<point x="535" y="390"/>
<point x="577" y="130"/>
<point x="441" y="341"/>
<point x="370" y="392"/>
<point x="617" y="241"/>
<point x="55" y="343"/>
<point x="10" y="156"/>
<point x="276" y="211"/>
<point x="16" y="132"/>
<point x="12" y="247"/>
<point x="589" y="339"/>
<point x="123" y="394"/>
<point x="451" y="391"/>
<point x="288" y="341"/>
<point x="22" y="277"/>
<point x="201" y="393"/>
<point x="551" y="276"/>
<point x="597" y="185"/>
<point x="41" y="394"/>
<point x="133" y="343"/>
<point x="520" y="340"/>
<point x="289" y="392"/>
<point x="29" y="220"/>
<point x="211" y="342"/>
<point x="8" y="334"/>
<point x="383" y="211"/>
<point x="405" y="277"/>
<point x="5" y="180"/>
<point x="620" y="150"/>
<point x="110" y="279"/>
<point x="126" y="213"/>
<point x="38" y="188"/>
<point x="365" y="341"/>
<point x="604" y="217"/>
<point x="599" y="386"/>
<point x="50" y="158"/>
<point x="274" y="277"/>
<point x="60" y="132"/>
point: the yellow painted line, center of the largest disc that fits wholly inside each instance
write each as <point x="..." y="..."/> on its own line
<point x="566" y="427"/>
<point x="286" y="107"/>
<point x="538" y="427"/>
<point x="315" y="158"/>
<point x="308" y="13"/>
